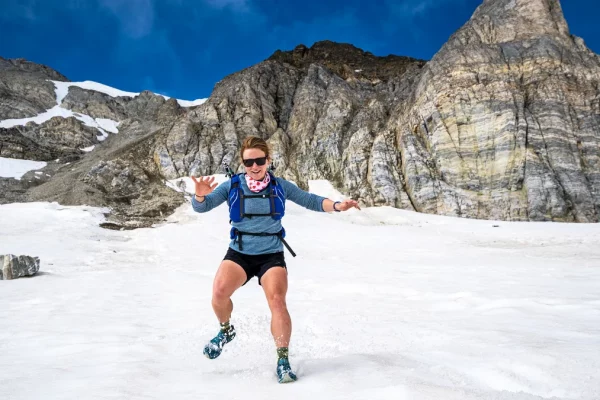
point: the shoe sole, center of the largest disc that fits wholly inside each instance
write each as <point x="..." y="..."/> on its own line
<point x="286" y="378"/>
<point x="205" y="352"/>
<point x="207" y="355"/>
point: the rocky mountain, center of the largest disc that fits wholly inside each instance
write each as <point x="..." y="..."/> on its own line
<point x="89" y="160"/>
<point x="503" y="123"/>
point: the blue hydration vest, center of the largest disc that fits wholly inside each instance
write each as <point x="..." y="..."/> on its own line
<point x="237" y="198"/>
<point x="236" y="202"/>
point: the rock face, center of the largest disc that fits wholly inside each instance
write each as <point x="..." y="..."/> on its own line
<point x="13" y="267"/>
<point x="347" y="61"/>
<point x="146" y="107"/>
<point x="320" y="125"/>
<point x="503" y="123"/>
<point x="24" y="89"/>
<point x="83" y="168"/>
<point x="55" y="138"/>
<point x="120" y="173"/>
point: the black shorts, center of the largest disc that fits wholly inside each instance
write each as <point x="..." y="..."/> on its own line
<point x="255" y="265"/>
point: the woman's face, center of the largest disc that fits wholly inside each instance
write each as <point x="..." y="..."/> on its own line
<point x="253" y="157"/>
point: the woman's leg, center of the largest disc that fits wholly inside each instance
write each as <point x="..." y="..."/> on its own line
<point x="229" y="278"/>
<point x="275" y="285"/>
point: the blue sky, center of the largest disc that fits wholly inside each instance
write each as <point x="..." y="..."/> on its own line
<point x="181" y="48"/>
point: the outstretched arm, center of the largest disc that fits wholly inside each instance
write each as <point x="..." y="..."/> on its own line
<point x="207" y="195"/>
<point x="330" y="205"/>
<point x="314" y="202"/>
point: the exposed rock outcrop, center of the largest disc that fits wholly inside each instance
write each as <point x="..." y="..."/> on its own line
<point x="13" y="267"/>
<point x="55" y="138"/>
<point x="83" y="167"/>
<point x="147" y="106"/>
<point x="504" y="122"/>
<point x="24" y="88"/>
<point x="120" y="174"/>
<point x="346" y="61"/>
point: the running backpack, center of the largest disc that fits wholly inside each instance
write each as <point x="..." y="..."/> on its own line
<point x="236" y="200"/>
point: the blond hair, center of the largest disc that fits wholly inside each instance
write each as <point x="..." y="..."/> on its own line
<point x="254" y="142"/>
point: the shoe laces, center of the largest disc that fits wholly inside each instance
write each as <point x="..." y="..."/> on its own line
<point x="220" y="338"/>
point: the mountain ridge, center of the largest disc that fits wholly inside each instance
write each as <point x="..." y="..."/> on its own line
<point x="502" y="123"/>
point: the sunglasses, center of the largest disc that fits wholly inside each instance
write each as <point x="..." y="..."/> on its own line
<point x="259" y="161"/>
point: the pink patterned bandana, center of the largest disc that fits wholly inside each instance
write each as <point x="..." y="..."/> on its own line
<point x="257" y="186"/>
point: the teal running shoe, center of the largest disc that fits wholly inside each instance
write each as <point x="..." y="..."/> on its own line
<point x="214" y="348"/>
<point x="284" y="371"/>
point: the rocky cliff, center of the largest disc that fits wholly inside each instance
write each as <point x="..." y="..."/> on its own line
<point x="24" y="88"/>
<point x="502" y="123"/>
<point x="89" y="160"/>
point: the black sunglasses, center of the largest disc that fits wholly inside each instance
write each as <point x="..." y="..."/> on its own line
<point x="259" y="161"/>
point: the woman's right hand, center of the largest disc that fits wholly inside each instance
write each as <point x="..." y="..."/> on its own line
<point x="204" y="185"/>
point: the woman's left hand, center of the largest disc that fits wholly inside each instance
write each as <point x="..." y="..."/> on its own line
<point x="346" y="205"/>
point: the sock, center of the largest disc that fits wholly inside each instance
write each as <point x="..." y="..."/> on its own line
<point x="225" y="327"/>
<point x="282" y="352"/>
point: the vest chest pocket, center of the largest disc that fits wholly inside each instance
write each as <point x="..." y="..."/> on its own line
<point x="257" y="206"/>
<point x="242" y="205"/>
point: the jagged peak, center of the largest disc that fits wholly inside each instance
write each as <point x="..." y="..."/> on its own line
<point x="23" y="65"/>
<point x="346" y="60"/>
<point x="500" y="21"/>
<point x="327" y="49"/>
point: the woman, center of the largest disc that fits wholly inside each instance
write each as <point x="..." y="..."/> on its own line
<point x="256" y="201"/>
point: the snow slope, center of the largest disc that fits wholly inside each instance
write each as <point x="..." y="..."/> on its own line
<point x="13" y="168"/>
<point x="386" y="304"/>
<point x="99" y="87"/>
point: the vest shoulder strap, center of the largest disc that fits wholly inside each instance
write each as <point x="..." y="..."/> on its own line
<point x="274" y="181"/>
<point x="235" y="181"/>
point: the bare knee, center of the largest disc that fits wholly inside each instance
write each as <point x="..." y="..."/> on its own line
<point x="229" y="278"/>
<point x="221" y="293"/>
<point x="277" y="302"/>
